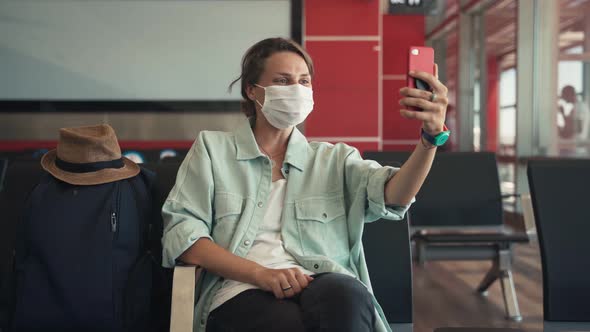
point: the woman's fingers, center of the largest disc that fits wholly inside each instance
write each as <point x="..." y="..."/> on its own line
<point x="293" y="282"/>
<point x="416" y="93"/>
<point x="286" y="283"/>
<point x="287" y="286"/>
<point x="276" y="290"/>
<point x="301" y="279"/>
<point x="277" y="282"/>
<point x="420" y="103"/>
<point x="415" y="115"/>
<point x="434" y="83"/>
<point x="433" y="104"/>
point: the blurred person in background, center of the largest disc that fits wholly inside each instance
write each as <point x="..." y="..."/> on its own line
<point x="573" y="118"/>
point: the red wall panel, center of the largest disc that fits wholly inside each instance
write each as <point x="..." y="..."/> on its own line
<point x="492" y="104"/>
<point x="394" y="125"/>
<point x="139" y="145"/>
<point x="345" y="89"/>
<point x="341" y="17"/>
<point x="399" y="33"/>
<point x="363" y="146"/>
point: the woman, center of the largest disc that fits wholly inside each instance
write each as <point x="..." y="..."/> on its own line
<point x="277" y="221"/>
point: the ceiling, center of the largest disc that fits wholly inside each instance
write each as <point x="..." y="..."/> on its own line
<point x="500" y="30"/>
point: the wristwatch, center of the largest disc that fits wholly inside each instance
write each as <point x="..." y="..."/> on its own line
<point x="439" y="139"/>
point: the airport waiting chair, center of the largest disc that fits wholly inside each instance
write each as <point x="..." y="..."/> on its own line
<point x="165" y="178"/>
<point x="559" y="193"/>
<point x="458" y="215"/>
<point x="3" y="166"/>
<point x="386" y="246"/>
<point x="173" y="160"/>
<point x="475" y="329"/>
<point x="20" y="179"/>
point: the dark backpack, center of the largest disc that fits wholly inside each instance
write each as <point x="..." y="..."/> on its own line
<point x="87" y="259"/>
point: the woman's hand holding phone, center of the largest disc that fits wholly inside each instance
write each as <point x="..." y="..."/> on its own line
<point x="432" y="104"/>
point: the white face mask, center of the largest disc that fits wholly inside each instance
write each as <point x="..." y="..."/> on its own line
<point x="286" y="105"/>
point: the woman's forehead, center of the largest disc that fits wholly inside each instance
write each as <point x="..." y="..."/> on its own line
<point x="286" y="62"/>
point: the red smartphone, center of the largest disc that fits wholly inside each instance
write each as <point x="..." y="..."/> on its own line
<point x="420" y="59"/>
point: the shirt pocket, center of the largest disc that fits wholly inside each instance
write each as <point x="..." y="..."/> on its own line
<point x="227" y="213"/>
<point x="322" y="225"/>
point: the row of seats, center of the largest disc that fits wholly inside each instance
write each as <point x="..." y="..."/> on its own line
<point x="462" y="193"/>
<point x="22" y="176"/>
<point x="557" y="190"/>
<point x="137" y="155"/>
<point x="459" y="215"/>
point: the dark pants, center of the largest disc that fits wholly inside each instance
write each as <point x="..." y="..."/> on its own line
<point x="331" y="302"/>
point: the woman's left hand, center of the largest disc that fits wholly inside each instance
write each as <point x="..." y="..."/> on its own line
<point x="433" y="110"/>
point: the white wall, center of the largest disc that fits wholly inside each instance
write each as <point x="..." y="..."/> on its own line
<point x="130" y="49"/>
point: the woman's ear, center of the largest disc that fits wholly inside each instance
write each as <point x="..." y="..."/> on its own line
<point x="251" y="92"/>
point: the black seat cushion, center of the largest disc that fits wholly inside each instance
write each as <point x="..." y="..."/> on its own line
<point x="472" y="237"/>
<point x="477" y="329"/>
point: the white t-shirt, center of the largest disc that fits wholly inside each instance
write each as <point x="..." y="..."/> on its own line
<point x="267" y="249"/>
<point x="583" y="118"/>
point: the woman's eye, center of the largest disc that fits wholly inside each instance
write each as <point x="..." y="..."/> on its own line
<point x="281" y="80"/>
<point x="304" y="82"/>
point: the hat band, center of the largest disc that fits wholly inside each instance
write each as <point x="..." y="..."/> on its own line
<point x="88" y="167"/>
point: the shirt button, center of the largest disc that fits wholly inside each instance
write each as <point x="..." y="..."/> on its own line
<point x="325" y="215"/>
<point x="193" y="238"/>
<point x="286" y="171"/>
<point x="260" y="204"/>
<point x="247" y="243"/>
<point x="315" y="266"/>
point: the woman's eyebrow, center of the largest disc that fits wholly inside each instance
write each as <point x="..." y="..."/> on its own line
<point x="289" y="75"/>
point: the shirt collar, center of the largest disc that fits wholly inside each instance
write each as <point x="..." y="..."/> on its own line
<point x="247" y="148"/>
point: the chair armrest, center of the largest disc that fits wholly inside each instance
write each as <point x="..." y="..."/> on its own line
<point x="528" y="215"/>
<point x="183" y="298"/>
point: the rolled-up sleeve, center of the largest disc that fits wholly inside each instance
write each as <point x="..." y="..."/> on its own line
<point x="188" y="212"/>
<point x="368" y="179"/>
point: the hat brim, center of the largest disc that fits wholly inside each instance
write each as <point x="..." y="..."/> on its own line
<point x="129" y="170"/>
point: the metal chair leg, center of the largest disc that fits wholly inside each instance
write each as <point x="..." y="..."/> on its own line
<point x="490" y="277"/>
<point x="507" y="282"/>
<point x="421" y="252"/>
<point x="510" y="301"/>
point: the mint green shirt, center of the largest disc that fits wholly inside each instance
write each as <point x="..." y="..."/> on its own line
<point x="222" y="187"/>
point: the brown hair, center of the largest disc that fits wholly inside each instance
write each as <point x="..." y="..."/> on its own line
<point x="254" y="61"/>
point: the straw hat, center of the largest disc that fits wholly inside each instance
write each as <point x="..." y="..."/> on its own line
<point x="88" y="156"/>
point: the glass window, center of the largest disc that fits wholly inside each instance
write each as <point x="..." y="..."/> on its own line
<point x="500" y="34"/>
<point x="573" y="68"/>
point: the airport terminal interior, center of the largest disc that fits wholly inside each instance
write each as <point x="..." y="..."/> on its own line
<point x="487" y="229"/>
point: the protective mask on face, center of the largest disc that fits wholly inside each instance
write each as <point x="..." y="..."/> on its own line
<point x="286" y="105"/>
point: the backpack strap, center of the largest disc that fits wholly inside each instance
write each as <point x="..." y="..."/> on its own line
<point x="144" y="202"/>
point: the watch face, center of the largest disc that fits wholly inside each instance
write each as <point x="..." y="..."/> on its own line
<point x="441" y="138"/>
